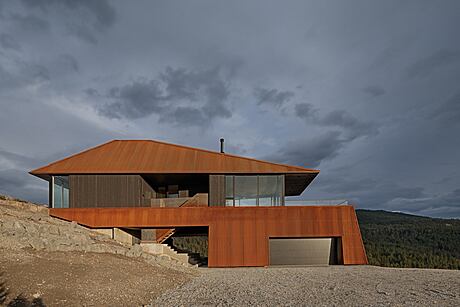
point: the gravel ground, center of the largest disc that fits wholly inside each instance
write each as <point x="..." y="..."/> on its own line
<point x="318" y="286"/>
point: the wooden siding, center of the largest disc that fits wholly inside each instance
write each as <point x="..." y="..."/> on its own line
<point x="108" y="191"/>
<point x="216" y="190"/>
<point x="237" y="236"/>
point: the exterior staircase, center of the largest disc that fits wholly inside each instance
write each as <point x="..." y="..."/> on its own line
<point x="198" y="200"/>
<point x="166" y="250"/>
<point x="164" y="243"/>
<point x="166" y="235"/>
<point x="194" y="259"/>
<point x="172" y="252"/>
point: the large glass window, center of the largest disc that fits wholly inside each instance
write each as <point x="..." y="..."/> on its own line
<point x="245" y="191"/>
<point x="270" y="190"/>
<point x="254" y="190"/>
<point x="60" y="192"/>
<point x="229" y="196"/>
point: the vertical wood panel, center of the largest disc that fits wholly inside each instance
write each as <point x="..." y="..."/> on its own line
<point x="216" y="190"/>
<point x="101" y="191"/>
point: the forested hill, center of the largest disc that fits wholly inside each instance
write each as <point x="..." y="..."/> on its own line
<point x="403" y="240"/>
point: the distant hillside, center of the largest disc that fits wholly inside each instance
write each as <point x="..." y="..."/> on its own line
<point x="404" y="240"/>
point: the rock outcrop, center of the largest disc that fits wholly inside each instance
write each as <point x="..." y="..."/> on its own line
<point x="26" y="225"/>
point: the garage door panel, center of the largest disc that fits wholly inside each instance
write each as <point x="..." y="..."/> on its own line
<point x="300" y="251"/>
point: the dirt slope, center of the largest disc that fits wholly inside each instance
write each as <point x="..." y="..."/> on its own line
<point x="46" y="261"/>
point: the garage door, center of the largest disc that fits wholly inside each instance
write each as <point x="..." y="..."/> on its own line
<point x="290" y="251"/>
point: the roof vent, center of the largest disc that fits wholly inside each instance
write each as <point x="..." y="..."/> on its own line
<point x="221" y="145"/>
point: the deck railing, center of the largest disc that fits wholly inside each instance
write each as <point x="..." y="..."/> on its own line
<point x="198" y="200"/>
<point x="316" y="202"/>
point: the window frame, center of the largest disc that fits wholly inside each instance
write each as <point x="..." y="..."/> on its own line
<point x="62" y="192"/>
<point x="233" y="176"/>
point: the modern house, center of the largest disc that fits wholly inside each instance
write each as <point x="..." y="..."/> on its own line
<point x="157" y="190"/>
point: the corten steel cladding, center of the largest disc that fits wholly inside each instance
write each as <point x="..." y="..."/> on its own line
<point x="153" y="157"/>
<point x="237" y="236"/>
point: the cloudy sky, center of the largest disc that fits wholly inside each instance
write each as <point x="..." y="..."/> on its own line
<point x="366" y="91"/>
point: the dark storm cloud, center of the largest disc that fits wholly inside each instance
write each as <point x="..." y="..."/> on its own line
<point x="104" y="13"/>
<point x="17" y="183"/>
<point x="30" y="23"/>
<point x="14" y="181"/>
<point x="177" y="95"/>
<point x="438" y="60"/>
<point x="374" y="90"/>
<point x="372" y="193"/>
<point x="449" y="111"/>
<point x="350" y="127"/>
<point x="383" y="193"/>
<point x="82" y="32"/>
<point x="326" y="146"/>
<point x="68" y="61"/>
<point x="182" y="115"/>
<point x="209" y="85"/>
<point x="306" y="111"/>
<point x="272" y="97"/>
<point x="8" y="42"/>
<point x="16" y="159"/>
<point x="309" y="152"/>
<point x="83" y="19"/>
<point x="443" y="205"/>
<point x="135" y="100"/>
<point x="26" y="74"/>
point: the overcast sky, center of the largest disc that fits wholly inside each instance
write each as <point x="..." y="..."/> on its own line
<point x="366" y="91"/>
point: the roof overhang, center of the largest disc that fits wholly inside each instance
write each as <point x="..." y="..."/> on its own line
<point x="295" y="184"/>
<point x="153" y="157"/>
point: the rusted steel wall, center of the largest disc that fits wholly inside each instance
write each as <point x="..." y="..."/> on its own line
<point x="153" y="157"/>
<point x="237" y="236"/>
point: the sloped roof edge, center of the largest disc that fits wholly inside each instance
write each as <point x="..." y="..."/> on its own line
<point x="53" y="167"/>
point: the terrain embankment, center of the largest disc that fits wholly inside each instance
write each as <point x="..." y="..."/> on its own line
<point x="47" y="261"/>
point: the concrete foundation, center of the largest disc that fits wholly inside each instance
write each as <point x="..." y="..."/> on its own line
<point x="148" y="235"/>
<point x="105" y="231"/>
<point x="124" y="236"/>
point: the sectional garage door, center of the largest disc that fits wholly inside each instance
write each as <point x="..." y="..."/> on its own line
<point x="303" y="251"/>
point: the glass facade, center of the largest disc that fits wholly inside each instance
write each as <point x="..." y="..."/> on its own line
<point x="271" y="190"/>
<point x="229" y="184"/>
<point x="245" y="191"/>
<point x="255" y="190"/>
<point x="60" y="192"/>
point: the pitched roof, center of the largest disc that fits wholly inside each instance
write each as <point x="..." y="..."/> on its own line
<point x="148" y="156"/>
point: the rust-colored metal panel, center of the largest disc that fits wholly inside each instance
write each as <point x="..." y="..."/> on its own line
<point x="237" y="236"/>
<point x="153" y="157"/>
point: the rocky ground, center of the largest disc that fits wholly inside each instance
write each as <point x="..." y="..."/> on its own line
<point x="318" y="286"/>
<point x="46" y="261"/>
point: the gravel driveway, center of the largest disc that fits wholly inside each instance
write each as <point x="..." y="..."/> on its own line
<point x="313" y="286"/>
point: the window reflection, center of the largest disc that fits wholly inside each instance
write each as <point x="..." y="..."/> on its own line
<point x="270" y="190"/>
<point x="254" y="190"/>
<point x="60" y="192"/>
<point x="245" y="191"/>
<point x="229" y="197"/>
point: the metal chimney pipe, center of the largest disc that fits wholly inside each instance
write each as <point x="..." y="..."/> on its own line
<point x="221" y="145"/>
